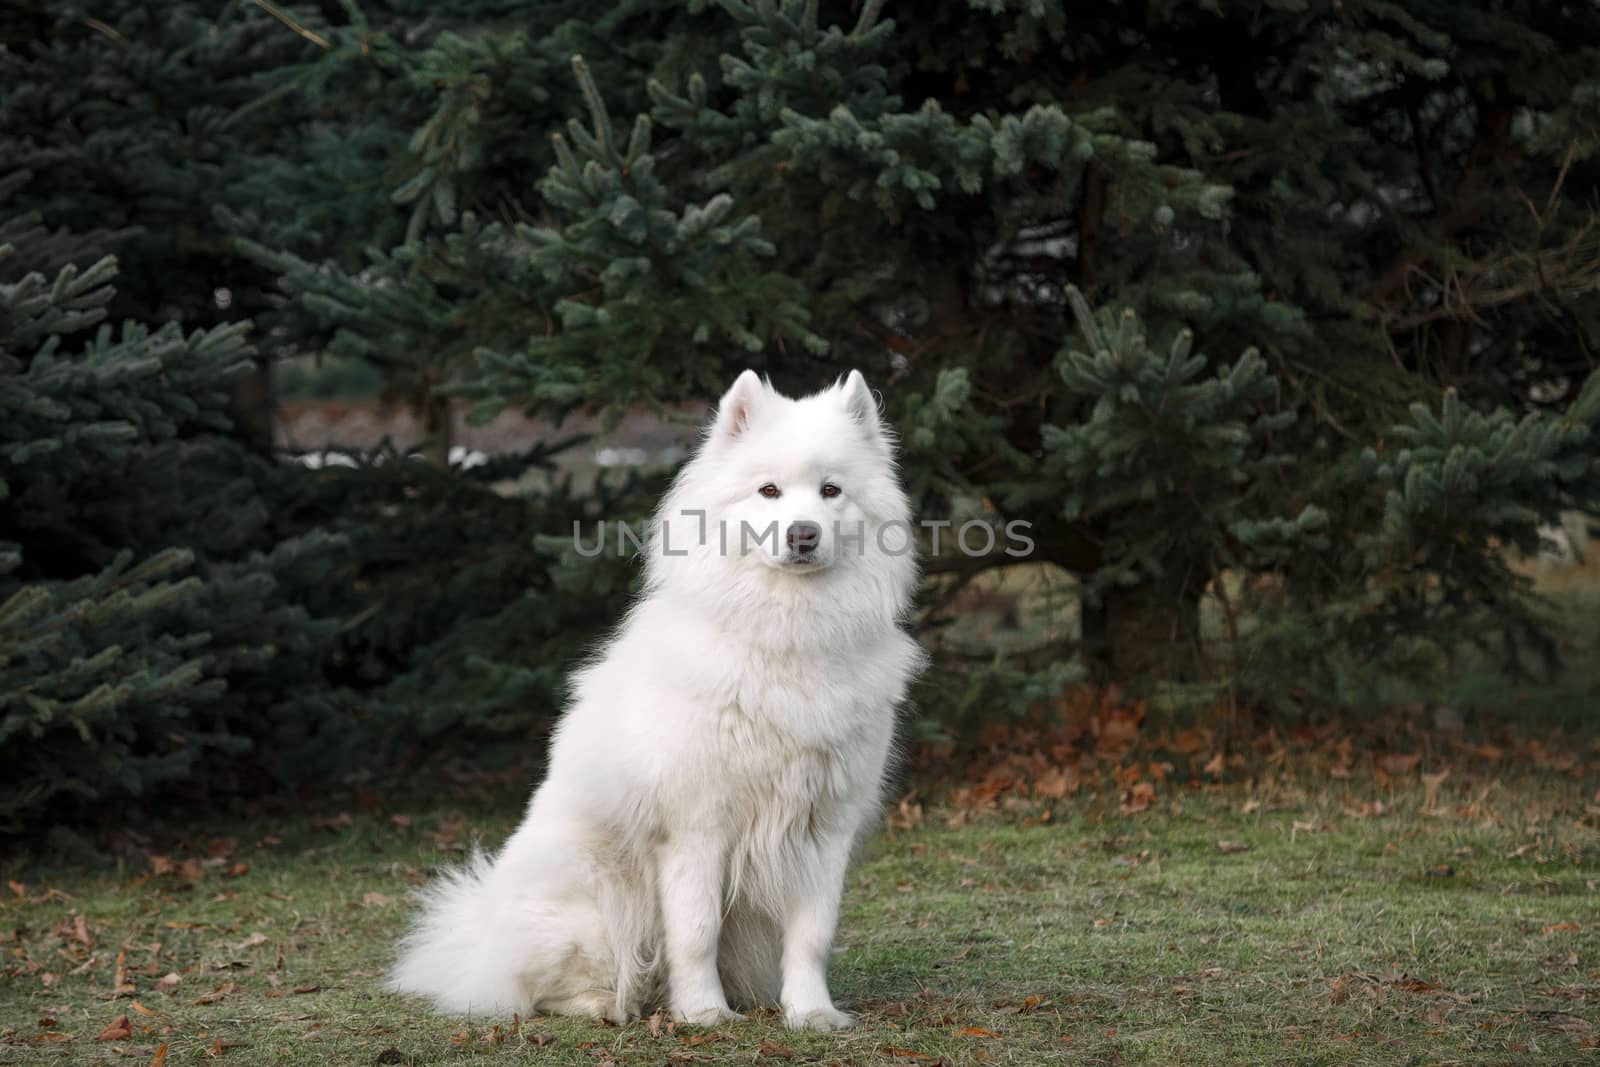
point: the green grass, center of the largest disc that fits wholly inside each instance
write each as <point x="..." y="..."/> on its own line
<point x="1088" y="937"/>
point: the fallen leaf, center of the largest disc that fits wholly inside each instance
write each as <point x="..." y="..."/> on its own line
<point x="774" y="1050"/>
<point x="1398" y="763"/>
<point x="168" y="982"/>
<point x="1214" y="766"/>
<point x="1432" y="782"/>
<point x="120" y="1030"/>
<point x="1138" y="798"/>
<point x="1563" y="928"/>
<point x="19" y="889"/>
<point x="53" y="1037"/>
<point x="257" y="938"/>
<point x="704" y="1039"/>
<point x="160" y="1058"/>
<point x="975" y="1031"/>
<point x="904" y="1053"/>
<point x="1057" y="782"/>
<point x="1415" y="985"/>
<point x="217" y="993"/>
<point x="142" y="1010"/>
<point x="375" y="900"/>
<point x="1228" y="847"/>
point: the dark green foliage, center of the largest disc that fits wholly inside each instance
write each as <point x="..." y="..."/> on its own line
<point x="1360" y="207"/>
<point x="148" y="630"/>
<point x="465" y="607"/>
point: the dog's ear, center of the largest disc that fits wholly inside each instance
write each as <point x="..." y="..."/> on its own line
<point x="861" y="404"/>
<point x="738" y="407"/>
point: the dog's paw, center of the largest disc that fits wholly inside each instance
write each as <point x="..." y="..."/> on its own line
<point x="712" y="1016"/>
<point x="823" y="1019"/>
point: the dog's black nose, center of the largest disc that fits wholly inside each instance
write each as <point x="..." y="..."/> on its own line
<point x="804" y="537"/>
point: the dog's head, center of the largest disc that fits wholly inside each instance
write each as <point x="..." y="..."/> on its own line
<point x="799" y="485"/>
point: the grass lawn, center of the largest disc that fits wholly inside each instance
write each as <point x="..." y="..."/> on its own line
<point x="1290" y="919"/>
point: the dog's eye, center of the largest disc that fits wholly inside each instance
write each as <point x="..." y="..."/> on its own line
<point x="770" y="491"/>
<point x="830" y="490"/>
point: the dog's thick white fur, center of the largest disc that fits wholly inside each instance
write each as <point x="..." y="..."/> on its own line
<point x="721" y="758"/>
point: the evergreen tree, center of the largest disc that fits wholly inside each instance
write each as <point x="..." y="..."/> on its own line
<point x="149" y="634"/>
<point x="1380" y="201"/>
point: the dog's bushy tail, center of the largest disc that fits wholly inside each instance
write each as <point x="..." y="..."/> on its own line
<point x="468" y="951"/>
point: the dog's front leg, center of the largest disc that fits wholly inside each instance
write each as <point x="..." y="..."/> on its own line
<point x="812" y="917"/>
<point x="691" y="871"/>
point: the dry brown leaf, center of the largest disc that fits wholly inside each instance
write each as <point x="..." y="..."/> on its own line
<point x="216" y="994"/>
<point x="1138" y="798"/>
<point x="904" y="1053"/>
<point x="120" y="1030"/>
<point x="1564" y="928"/>
<point x="1416" y="985"/>
<point x="160" y="1058"/>
<point x="1229" y="847"/>
<point x="1399" y="763"/>
<point x="1058" y="782"/>
<point x="774" y="1050"/>
<point x="1432" y="783"/>
<point x="1214" y="766"/>
<point x="975" y="1031"/>
<point x="168" y="982"/>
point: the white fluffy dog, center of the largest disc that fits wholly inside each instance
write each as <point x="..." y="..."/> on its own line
<point x="723" y="755"/>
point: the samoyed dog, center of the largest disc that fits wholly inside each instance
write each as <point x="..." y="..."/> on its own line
<point x="721" y="756"/>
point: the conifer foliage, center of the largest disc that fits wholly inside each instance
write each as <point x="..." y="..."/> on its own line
<point x="146" y="628"/>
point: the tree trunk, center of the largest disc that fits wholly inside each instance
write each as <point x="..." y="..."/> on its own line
<point x="252" y="408"/>
<point x="1151" y="631"/>
<point x="438" y="424"/>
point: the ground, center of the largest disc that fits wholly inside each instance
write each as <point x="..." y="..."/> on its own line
<point x="1300" y="903"/>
